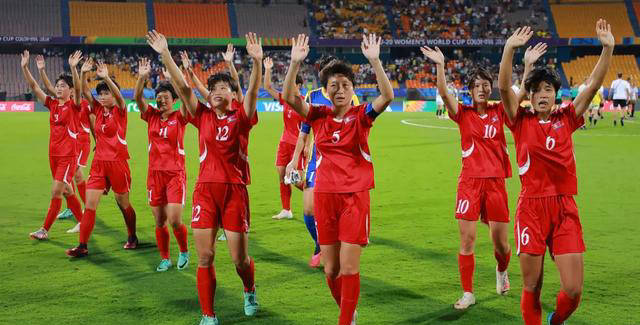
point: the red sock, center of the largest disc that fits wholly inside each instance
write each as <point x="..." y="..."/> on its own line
<point x="82" y="191"/>
<point x="206" y="284"/>
<point x="74" y="205"/>
<point x="503" y="260"/>
<point x="52" y="213"/>
<point x="247" y="276"/>
<point x="350" y="293"/>
<point x="162" y="240"/>
<point x="285" y="196"/>
<point x="130" y="220"/>
<point x="530" y="307"/>
<point x="335" y="285"/>
<point x="86" y="226"/>
<point x="565" y="306"/>
<point x="466" y="265"/>
<point x="181" y="237"/>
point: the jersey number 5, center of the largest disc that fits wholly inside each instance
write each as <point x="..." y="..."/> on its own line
<point x="335" y="137"/>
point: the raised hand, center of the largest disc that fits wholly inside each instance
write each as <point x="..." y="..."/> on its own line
<point x="24" y="59"/>
<point x="434" y="55"/>
<point x="371" y="46"/>
<point x="603" y="30"/>
<point x="144" y="68"/>
<point x="157" y="41"/>
<point x="532" y="54"/>
<point x="254" y="46"/>
<point x="299" y="48"/>
<point x="166" y="74"/>
<point x="228" y="55"/>
<point x="186" y="62"/>
<point x="87" y="65"/>
<point x="103" y="71"/>
<point x="40" y="62"/>
<point x="268" y="63"/>
<point x="74" y="59"/>
<point x="520" y="37"/>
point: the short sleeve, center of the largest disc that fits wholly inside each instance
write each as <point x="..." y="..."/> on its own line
<point x="512" y="125"/>
<point x="458" y="115"/>
<point x="305" y="128"/>
<point x="147" y="113"/>
<point x="239" y="108"/>
<point x="367" y="114"/>
<point x="317" y="112"/>
<point x="183" y="120"/>
<point x="575" y="122"/>
<point x="48" y="102"/>
<point x="195" y="119"/>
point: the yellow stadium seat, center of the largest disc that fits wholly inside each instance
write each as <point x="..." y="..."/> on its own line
<point x="107" y="19"/>
<point x="580" y="68"/>
<point x="579" y="20"/>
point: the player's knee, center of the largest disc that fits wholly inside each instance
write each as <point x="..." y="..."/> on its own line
<point x="205" y="258"/>
<point x="122" y="200"/>
<point x="467" y="243"/>
<point x="175" y="223"/>
<point x="331" y="271"/>
<point x="573" y="290"/>
<point x="57" y="192"/>
<point x="241" y="261"/>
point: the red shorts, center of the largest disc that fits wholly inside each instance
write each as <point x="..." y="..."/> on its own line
<point x="83" y="155"/>
<point x="166" y="186"/>
<point x="482" y="198"/>
<point x="548" y="221"/>
<point x="223" y="205"/>
<point x="109" y="174"/>
<point x="342" y="217"/>
<point x="285" y="154"/>
<point x="63" y="168"/>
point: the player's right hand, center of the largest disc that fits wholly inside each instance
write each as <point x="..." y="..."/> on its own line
<point x="434" y="55"/>
<point x="144" y="68"/>
<point x="268" y="63"/>
<point x="87" y="65"/>
<point x="289" y="168"/>
<point x="299" y="48"/>
<point x="74" y="59"/>
<point x="532" y="54"/>
<point x="157" y="41"/>
<point x="519" y="38"/>
<point x="24" y="59"/>
<point x="40" y="61"/>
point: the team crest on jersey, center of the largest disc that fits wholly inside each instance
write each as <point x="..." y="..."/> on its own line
<point x="349" y="119"/>
<point x="494" y="119"/>
<point x="172" y="123"/>
<point x="232" y="119"/>
<point x="558" y="125"/>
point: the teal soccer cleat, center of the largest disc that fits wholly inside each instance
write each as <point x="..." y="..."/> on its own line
<point x="251" y="305"/>
<point x="183" y="261"/>
<point x="164" y="265"/>
<point x="208" y="320"/>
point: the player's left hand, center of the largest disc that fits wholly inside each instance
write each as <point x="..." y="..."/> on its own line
<point x="254" y="46"/>
<point x="87" y="65"/>
<point x="74" y="59"/>
<point x="157" y="41"/>
<point x="520" y="37"/>
<point x="371" y="46"/>
<point x="532" y="54"/>
<point x="228" y="55"/>
<point x="24" y="59"/>
<point x="40" y="61"/>
<point x="103" y="71"/>
<point x="603" y="30"/>
<point x="144" y="68"/>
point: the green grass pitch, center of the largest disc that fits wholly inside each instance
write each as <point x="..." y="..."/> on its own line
<point x="409" y="272"/>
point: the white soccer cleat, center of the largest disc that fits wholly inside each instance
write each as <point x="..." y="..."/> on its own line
<point x="75" y="229"/>
<point x="284" y="214"/>
<point x="40" y="234"/>
<point x="355" y="317"/>
<point x="467" y="300"/>
<point x="502" y="282"/>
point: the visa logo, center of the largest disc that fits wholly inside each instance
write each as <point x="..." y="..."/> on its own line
<point x="273" y="107"/>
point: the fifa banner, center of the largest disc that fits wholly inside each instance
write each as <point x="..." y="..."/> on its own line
<point x="263" y="105"/>
<point x="17" y="106"/>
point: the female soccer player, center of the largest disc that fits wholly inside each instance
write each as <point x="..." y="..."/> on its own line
<point x="166" y="178"/>
<point x="62" y="142"/>
<point x="547" y="214"/>
<point x="345" y="169"/>
<point x="220" y="198"/>
<point x="292" y="124"/>
<point x="109" y="168"/>
<point x="481" y="191"/>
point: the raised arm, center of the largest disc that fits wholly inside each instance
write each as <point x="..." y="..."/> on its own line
<point x="581" y="102"/>
<point x="144" y="70"/>
<point x="186" y="65"/>
<point x="24" y="63"/>
<point x="74" y="59"/>
<point x="103" y="72"/>
<point x="299" y="51"/>
<point x="254" y="49"/>
<point x="48" y="87"/>
<point x="268" y="86"/>
<point x="436" y="56"/>
<point x="167" y="75"/>
<point x="228" y="59"/>
<point x="509" y="98"/>
<point x="531" y="55"/>
<point x="371" y="49"/>
<point x="84" y="70"/>
<point x="158" y="42"/>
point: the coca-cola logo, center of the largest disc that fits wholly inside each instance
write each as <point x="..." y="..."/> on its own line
<point x="17" y="106"/>
<point x="3" y="107"/>
<point x="24" y="107"/>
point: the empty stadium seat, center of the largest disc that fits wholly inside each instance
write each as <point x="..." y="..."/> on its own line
<point x="24" y="18"/>
<point x="192" y="20"/>
<point x="579" y="20"/>
<point x="580" y="68"/>
<point x="275" y="20"/>
<point x="107" y="19"/>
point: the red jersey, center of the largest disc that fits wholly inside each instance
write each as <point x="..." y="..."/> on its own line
<point x="223" y="142"/>
<point x="344" y="163"/>
<point x="83" y="123"/>
<point x="292" y="122"/>
<point x="546" y="161"/>
<point x="166" y="139"/>
<point x="484" y="148"/>
<point x="111" y="133"/>
<point x="62" y="127"/>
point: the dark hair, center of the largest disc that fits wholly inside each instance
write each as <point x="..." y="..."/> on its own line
<point x="221" y="77"/>
<point x="102" y="86"/>
<point x="299" y="80"/>
<point x="479" y="73"/>
<point x="336" y="67"/>
<point x="66" y="78"/>
<point x="619" y="74"/>
<point x="539" y="75"/>
<point x="166" y="86"/>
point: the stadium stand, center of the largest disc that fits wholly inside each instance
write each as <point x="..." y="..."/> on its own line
<point x="96" y="19"/>
<point x="12" y="79"/>
<point x="27" y="19"/>
<point x="580" y="68"/>
<point x="192" y="20"/>
<point x="567" y="16"/>
<point x="349" y="19"/>
<point x="270" y="20"/>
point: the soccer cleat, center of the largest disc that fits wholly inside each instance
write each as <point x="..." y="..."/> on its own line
<point x="164" y="265"/>
<point x="502" y="282"/>
<point x="40" y="234"/>
<point x="355" y="317"/>
<point x="467" y="300"/>
<point x="251" y="305"/>
<point x="131" y="244"/>
<point x="77" y="252"/>
<point x="222" y="237"/>
<point x="75" y="229"/>
<point x="315" y="260"/>
<point x="550" y="317"/>
<point x="208" y="320"/>
<point x="66" y="214"/>
<point x="284" y="214"/>
<point x="183" y="260"/>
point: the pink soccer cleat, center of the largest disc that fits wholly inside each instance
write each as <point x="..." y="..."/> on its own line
<point x="315" y="260"/>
